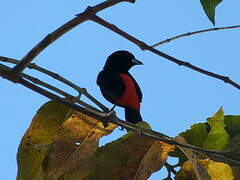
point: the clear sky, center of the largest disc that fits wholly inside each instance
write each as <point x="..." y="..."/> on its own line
<point x="174" y="97"/>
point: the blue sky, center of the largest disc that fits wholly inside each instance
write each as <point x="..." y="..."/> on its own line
<point x="174" y="97"/>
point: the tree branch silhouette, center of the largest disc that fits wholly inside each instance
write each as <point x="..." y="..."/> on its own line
<point x="144" y="46"/>
<point x="50" y="38"/>
<point x="58" y="78"/>
<point x="193" y="33"/>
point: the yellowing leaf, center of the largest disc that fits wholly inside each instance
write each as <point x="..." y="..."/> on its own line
<point x="68" y="159"/>
<point x="56" y="140"/>
<point x="153" y="160"/>
<point x="42" y="132"/>
<point x="199" y="171"/>
<point x="130" y="157"/>
<point x="216" y="170"/>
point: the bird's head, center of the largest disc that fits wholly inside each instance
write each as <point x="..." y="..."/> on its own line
<point x="121" y="61"/>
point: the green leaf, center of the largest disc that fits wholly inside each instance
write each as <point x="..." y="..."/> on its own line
<point x="209" y="7"/>
<point x="197" y="134"/>
<point x="218" y="137"/>
<point x="232" y="125"/>
<point x="234" y="145"/>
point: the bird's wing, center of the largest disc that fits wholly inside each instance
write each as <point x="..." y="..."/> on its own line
<point x="111" y="85"/>
<point x="139" y="92"/>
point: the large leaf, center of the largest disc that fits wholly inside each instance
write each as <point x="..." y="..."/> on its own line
<point x="209" y="7"/>
<point x="234" y="145"/>
<point x="63" y="144"/>
<point x="218" y="137"/>
<point x="198" y="168"/>
<point x="232" y="123"/>
<point x="197" y="134"/>
<point x="216" y="170"/>
<point x="40" y="135"/>
<point x="132" y="157"/>
<point x="211" y="135"/>
<point x="48" y="149"/>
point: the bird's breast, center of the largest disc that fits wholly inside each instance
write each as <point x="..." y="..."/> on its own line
<point x="129" y="97"/>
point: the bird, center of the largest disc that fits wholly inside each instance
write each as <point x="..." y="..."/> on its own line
<point x="119" y="87"/>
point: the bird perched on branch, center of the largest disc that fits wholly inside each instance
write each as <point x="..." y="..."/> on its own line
<point x="119" y="87"/>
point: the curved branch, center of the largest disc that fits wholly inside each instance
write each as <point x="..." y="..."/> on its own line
<point x="144" y="46"/>
<point x="170" y="169"/>
<point x="50" y="38"/>
<point x="59" y="91"/>
<point x="192" y="33"/>
<point x="59" y="78"/>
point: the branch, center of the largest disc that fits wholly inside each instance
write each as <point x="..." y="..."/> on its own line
<point x="50" y="38"/>
<point x="15" y="75"/>
<point x="170" y="168"/>
<point x="59" y="91"/>
<point x="144" y="46"/>
<point x="162" y="137"/>
<point x="192" y="33"/>
<point x="5" y="72"/>
<point x="59" y="78"/>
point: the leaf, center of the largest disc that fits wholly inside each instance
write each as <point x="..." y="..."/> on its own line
<point x="130" y="157"/>
<point x="236" y="172"/>
<point x="153" y="160"/>
<point x="197" y="134"/>
<point x="234" y="145"/>
<point x="49" y="142"/>
<point x="216" y="170"/>
<point x="74" y="161"/>
<point x="209" y="7"/>
<point x="199" y="170"/>
<point x="218" y="137"/>
<point x="42" y="132"/>
<point x="232" y="123"/>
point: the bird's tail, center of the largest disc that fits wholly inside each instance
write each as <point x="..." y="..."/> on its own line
<point x="132" y="115"/>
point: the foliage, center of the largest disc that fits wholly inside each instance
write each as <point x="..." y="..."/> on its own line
<point x="63" y="144"/>
<point x="209" y="7"/>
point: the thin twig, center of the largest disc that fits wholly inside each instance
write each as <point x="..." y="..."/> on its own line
<point x="6" y="73"/>
<point x="170" y="168"/>
<point x="144" y="46"/>
<point x="50" y="38"/>
<point x="57" y="90"/>
<point x="192" y="33"/>
<point x="59" y="78"/>
<point x="159" y="136"/>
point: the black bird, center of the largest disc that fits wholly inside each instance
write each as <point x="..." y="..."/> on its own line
<point x="119" y="87"/>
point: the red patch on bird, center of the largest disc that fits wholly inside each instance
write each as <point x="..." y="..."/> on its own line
<point x="129" y="97"/>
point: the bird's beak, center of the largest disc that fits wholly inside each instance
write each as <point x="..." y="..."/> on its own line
<point x="136" y="62"/>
